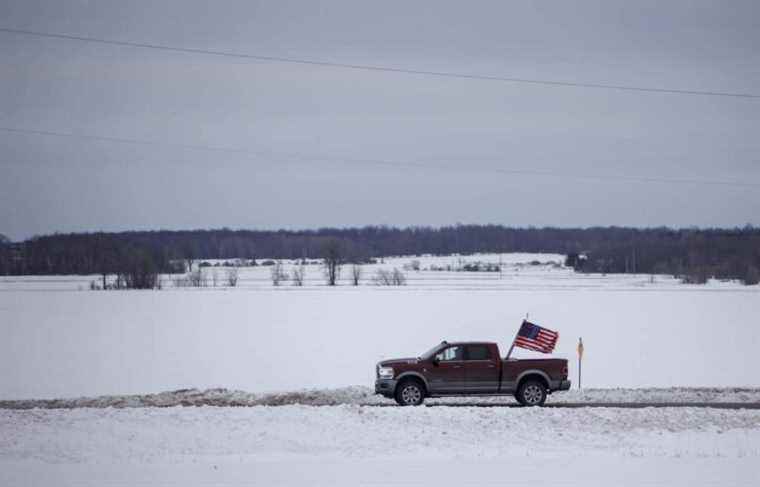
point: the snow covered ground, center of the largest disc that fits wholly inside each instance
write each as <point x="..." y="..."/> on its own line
<point x="639" y="331"/>
<point x="311" y="352"/>
<point x="360" y="445"/>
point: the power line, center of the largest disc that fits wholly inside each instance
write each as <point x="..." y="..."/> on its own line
<point x="366" y="67"/>
<point x="387" y="163"/>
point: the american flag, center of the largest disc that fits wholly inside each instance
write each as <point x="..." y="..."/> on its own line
<point x="534" y="337"/>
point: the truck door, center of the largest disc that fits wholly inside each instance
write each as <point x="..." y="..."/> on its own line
<point x="447" y="372"/>
<point x="481" y="369"/>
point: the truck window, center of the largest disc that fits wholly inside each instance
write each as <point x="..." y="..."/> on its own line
<point x="478" y="352"/>
<point x="451" y="354"/>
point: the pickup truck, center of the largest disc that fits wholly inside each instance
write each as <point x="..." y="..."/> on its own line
<point x="470" y="369"/>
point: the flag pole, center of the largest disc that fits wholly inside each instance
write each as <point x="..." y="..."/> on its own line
<point x="580" y="361"/>
<point x="515" y="338"/>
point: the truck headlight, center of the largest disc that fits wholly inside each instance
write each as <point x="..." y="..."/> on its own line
<point x="385" y="372"/>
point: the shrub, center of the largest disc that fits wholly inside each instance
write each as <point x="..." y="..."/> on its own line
<point x="389" y="278"/>
<point x="751" y="276"/>
<point x="277" y="273"/>
<point x="695" y="276"/>
<point x="232" y="277"/>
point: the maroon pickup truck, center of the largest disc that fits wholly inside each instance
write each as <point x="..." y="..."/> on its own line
<point x="470" y="369"/>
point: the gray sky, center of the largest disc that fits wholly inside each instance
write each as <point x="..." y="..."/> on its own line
<point x="305" y="126"/>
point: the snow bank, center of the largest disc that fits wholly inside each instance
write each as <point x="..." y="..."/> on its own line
<point x="350" y="445"/>
<point x="207" y="397"/>
<point x="188" y="435"/>
<point x="364" y="396"/>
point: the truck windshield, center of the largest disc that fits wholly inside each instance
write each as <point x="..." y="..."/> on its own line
<point x="431" y="352"/>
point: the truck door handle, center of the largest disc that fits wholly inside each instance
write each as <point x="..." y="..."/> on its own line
<point x="456" y="366"/>
<point x="491" y="366"/>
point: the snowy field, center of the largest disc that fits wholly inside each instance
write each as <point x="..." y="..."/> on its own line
<point x="302" y="359"/>
<point x="639" y="330"/>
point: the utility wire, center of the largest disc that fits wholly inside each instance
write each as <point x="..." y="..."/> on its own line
<point x="366" y="67"/>
<point x="387" y="163"/>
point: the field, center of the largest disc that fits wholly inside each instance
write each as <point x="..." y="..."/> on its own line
<point x="62" y="340"/>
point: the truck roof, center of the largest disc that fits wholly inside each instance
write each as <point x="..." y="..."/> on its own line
<point x="469" y="343"/>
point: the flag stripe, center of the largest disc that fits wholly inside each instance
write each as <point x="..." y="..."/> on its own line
<point x="534" y="337"/>
<point x="537" y="344"/>
<point x="534" y="344"/>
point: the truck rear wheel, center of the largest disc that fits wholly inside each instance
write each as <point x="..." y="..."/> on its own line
<point x="410" y="393"/>
<point x="531" y="393"/>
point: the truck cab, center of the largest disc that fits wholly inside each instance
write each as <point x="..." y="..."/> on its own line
<point x="469" y="369"/>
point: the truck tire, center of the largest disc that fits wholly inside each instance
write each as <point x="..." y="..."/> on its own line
<point x="531" y="393"/>
<point x="410" y="393"/>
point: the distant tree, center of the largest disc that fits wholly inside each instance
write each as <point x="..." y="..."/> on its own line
<point x="297" y="274"/>
<point x="138" y="271"/>
<point x="723" y="253"/>
<point x="189" y="255"/>
<point x="398" y="278"/>
<point x="197" y="278"/>
<point x="277" y="273"/>
<point x="4" y="240"/>
<point x="356" y="274"/>
<point x="751" y="276"/>
<point x="106" y="258"/>
<point x="384" y="277"/>
<point x="332" y="256"/>
<point x="232" y="277"/>
<point x="695" y="275"/>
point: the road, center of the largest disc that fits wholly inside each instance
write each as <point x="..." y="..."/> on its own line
<point x="622" y="405"/>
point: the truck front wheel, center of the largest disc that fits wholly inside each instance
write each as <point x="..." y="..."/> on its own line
<point x="531" y="393"/>
<point x="410" y="393"/>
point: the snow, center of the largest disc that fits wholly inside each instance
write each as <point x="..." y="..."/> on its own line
<point x="364" y="396"/>
<point x="301" y="359"/>
<point x="63" y="343"/>
<point x="360" y="445"/>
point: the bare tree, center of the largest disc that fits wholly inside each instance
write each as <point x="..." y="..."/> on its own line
<point x="382" y="278"/>
<point x="398" y="278"/>
<point x="751" y="276"/>
<point x="214" y="277"/>
<point x="356" y="274"/>
<point x="232" y="277"/>
<point x="298" y="273"/>
<point x="138" y="271"/>
<point x="180" y="281"/>
<point x="189" y="258"/>
<point x="197" y="279"/>
<point x="332" y="255"/>
<point x="385" y="277"/>
<point x="278" y="273"/>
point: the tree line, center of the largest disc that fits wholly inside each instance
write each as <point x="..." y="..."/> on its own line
<point x="692" y="254"/>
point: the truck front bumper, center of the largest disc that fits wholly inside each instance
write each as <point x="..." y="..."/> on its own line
<point x="386" y="387"/>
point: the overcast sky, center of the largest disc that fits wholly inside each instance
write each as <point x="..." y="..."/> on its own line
<point x="299" y="130"/>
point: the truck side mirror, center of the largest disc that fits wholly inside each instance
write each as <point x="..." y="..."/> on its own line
<point x="436" y="361"/>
